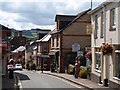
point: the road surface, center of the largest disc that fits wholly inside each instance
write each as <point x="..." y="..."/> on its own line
<point x="32" y="79"/>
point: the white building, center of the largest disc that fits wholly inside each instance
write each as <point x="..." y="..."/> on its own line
<point x="106" y="29"/>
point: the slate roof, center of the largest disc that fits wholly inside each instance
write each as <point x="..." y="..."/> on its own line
<point x="77" y="16"/>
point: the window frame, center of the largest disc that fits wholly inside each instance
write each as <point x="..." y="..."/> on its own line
<point x="96" y="27"/>
<point x="57" y="41"/>
<point x="53" y="41"/>
<point x="96" y="61"/>
<point x="102" y="26"/>
<point x="112" y="19"/>
<point x="117" y="67"/>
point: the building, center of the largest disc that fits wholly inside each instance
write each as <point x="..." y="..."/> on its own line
<point x="30" y="52"/>
<point x="70" y="31"/>
<point x="18" y="40"/>
<point x="44" y="46"/>
<point x="6" y="51"/>
<point x="106" y="44"/>
<point x="32" y="47"/>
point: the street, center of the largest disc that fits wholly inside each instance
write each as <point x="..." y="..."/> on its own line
<point x="32" y="79"/>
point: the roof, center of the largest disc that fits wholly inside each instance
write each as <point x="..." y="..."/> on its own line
<point x="64" y="17"/>
<point x="45" y="38"/>
<point x="78" y="16"/>
<point x="100" y="6"/>
<point x="21" y="48"/>
<point x="5" y="29"/>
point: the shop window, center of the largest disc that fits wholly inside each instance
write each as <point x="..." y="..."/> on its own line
<point x="97" y="60"/>
<point x="117" y="66"/>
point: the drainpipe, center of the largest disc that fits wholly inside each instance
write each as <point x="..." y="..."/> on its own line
<point x="105" y="60"/>
<point x="104" y="16"/>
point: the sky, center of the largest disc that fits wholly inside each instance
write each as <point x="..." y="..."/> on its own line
<point x="31" y="14"/>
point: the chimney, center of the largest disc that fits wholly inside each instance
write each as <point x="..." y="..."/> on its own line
<point x="16" y="34"/>
<point x="20" y="33"/>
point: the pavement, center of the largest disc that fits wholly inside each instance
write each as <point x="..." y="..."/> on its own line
<point x="9" y="84"/>
<point x="79" y="81"/>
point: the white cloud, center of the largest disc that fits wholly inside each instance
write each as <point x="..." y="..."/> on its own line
<point x="23" y="14"/>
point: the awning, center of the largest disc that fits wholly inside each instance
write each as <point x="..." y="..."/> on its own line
<point x="35" y="48"/>
<point x="38" y="54"/>
<point x="52" y="52"/>
<point x="15" y="51"/>
<point x="44" y="56"/>
<point x="117" y="51"/>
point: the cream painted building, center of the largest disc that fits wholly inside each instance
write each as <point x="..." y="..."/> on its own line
<point x="106" y="29"/>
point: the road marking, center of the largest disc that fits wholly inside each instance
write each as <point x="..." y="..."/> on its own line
<point x="19" y="83"/>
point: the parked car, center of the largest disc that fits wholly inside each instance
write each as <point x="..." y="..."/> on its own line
<point x="18" y="67"/>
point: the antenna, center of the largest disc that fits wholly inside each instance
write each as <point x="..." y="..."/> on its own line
<point x="91" y="4"/>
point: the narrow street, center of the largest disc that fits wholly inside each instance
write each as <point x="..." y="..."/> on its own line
<point x="32" y="79"/>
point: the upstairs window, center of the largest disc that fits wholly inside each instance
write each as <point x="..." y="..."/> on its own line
<point x="52" y="42"/>
<point x="57" y="41"/>
<point x="96" y="27"/>
<point x="112" y="19"/>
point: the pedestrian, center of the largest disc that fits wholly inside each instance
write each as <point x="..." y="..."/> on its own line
<point x="77" y="66"/>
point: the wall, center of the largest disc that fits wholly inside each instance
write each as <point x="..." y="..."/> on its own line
<point x="77" y="33"/>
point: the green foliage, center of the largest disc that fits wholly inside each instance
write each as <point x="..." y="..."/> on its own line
<point x="83" y="72"/>
<point x="70" y="69"/>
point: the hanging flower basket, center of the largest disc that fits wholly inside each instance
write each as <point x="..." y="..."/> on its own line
<point x="106" y="49"/>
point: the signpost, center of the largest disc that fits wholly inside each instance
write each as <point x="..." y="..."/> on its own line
<point x="75" y="47"/>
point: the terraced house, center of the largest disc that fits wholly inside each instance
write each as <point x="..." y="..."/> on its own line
<point x="70" y="30"/>
<point x="106" y="44"/>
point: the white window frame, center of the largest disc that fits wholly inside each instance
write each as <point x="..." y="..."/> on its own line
<point x="102" y="24"/>
<point x="98" y="67"/>
<point x="117" y="65"/>
<point x="112" y="19"/>
<point x="96" y="27"/>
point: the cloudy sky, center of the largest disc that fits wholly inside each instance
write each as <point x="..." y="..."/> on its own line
<point x="27" y="14"/>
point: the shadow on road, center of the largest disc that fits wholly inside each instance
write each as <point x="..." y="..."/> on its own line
<point x="22" y="76"/>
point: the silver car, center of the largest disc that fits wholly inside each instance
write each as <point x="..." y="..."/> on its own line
<point x="18" y="67"/>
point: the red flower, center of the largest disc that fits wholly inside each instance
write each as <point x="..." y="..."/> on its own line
<point x="106" y="49"/>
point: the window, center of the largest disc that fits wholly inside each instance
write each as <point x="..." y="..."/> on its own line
<point x="112" y="19"/>
<point x="96" y="26"/>
<point x="52" y="42"/>
<point x="57" y="41"/>
<point x="102" y="24"/>
<point x="98" y="62"/>
<point x="117" y="66"/>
